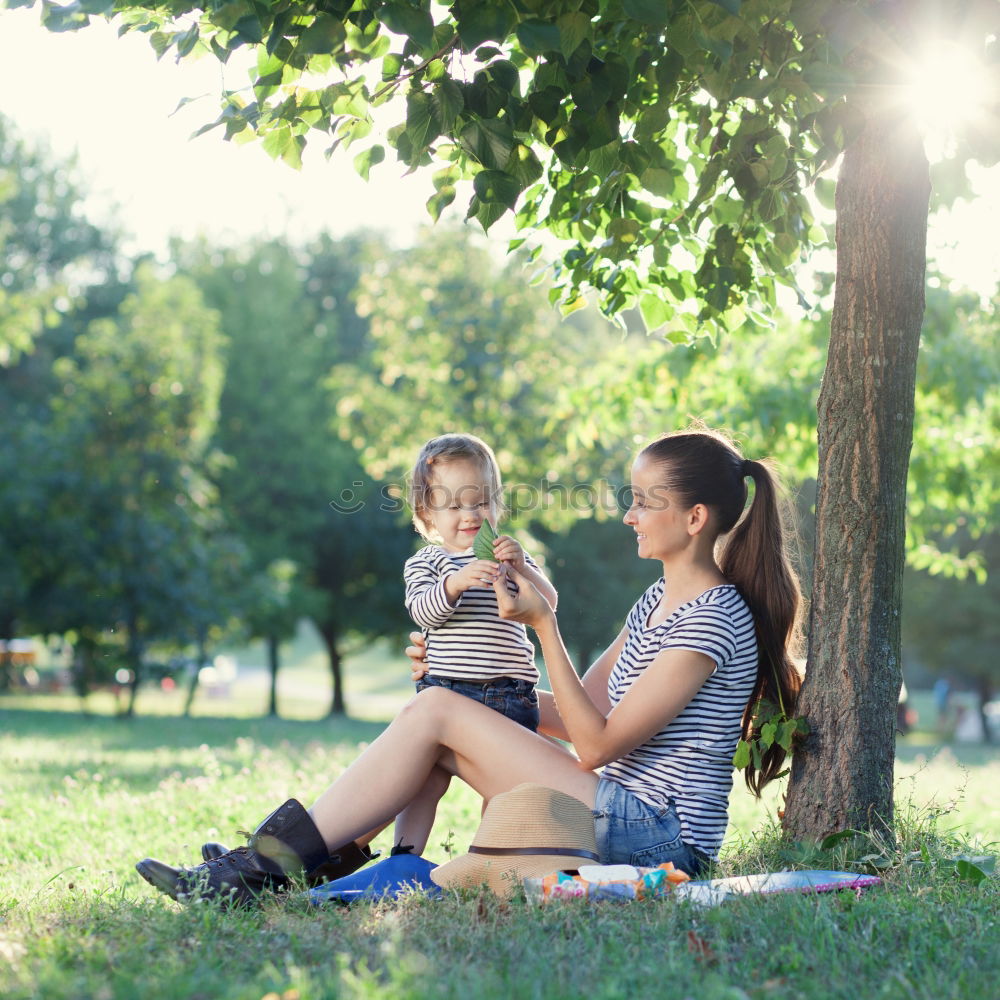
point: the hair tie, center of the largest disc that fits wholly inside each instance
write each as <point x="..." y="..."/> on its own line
<point x="746" y="467"/>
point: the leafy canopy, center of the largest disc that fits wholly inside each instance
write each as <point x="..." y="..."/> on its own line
<point x="666" y="143"/>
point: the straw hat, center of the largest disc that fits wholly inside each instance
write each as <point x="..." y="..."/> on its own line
<point x="527" y="832"/>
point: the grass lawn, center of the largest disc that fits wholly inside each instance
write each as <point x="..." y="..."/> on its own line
<point x="83" y="797"/>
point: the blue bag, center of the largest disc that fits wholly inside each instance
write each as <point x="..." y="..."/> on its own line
<point x="397" y="874"/>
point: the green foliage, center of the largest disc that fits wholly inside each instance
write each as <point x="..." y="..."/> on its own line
<point x="771" y="725"/>
<point x="49" y="255"/>
<point x="482" y="544"/>
<point x="950" y="626"/>
<point x="668" y="146"/>
<point x="456" y="342"/>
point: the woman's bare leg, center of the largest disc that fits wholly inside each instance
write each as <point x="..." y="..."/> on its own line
<point x="447" y="730"/>
<point x="414" y="823"/>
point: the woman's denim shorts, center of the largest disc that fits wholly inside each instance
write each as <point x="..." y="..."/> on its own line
<point x="513" y="698"/>
<point x="632" y="832"/>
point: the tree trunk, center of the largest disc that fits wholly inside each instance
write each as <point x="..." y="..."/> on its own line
<point x="7" y="634"/>
<point x="985" y="691"/>
<point x="843" y="775"/>
<point x="274" y="661"/>
<point x="330" y="637"/>
<point x="196" y="676"/>
<point x="134" y="660"/>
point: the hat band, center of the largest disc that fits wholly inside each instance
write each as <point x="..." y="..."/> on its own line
<point x="562" y="851"/>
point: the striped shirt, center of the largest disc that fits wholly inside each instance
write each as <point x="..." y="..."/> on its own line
<point x="468" y="641"/>
<point x="690" y="761"/>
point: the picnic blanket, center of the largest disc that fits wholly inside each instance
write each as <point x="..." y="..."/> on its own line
<point x="711" y="892"/>
<point x="404" y="873"/>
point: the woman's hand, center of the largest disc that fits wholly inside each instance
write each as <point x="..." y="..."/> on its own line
<point x="527" y="605"/>
<point x="416" y="652"/>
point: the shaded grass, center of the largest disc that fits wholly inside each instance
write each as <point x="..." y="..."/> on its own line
<point x="81" y="799"/>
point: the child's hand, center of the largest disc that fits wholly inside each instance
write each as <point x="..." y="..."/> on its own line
<point x="507" y="550"/>
<point x="478" y="573"/>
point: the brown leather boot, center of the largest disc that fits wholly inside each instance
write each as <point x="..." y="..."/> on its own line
<point x="285" y="845"/>
<point x="343" y="861"/>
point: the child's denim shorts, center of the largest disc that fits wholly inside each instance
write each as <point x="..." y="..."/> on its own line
<point x="632" y="832"/>
<point x="513" y="698"/>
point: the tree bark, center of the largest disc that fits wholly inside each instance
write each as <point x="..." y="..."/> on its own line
<point x="202" y="660"/>
<point x="330" y="637"/>
<point x="842" y="777"/>
<point x="274" y="662"/>
<point x="133" y="654"/>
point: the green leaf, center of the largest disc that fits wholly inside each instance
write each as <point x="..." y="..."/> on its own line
<point x="479" y="22"/>
<point x="732" y="6"/>
<point x="249" y="29"/>
<point x="769" y="729"/>
<point x="440" y="200"/>
<point x="970" y="872"/>
<point x="524" y="165"/>
<point x="985" y="862"/>
<point x="448" y="103"/>
<point x="658" y="182"/>
<point x="486" y="212"/>
<point x="786" y="730"/>
<point x="367" y="158"/>
<point x="324" y="36"/>
<point x="741" y="759"/>
<point x="655" y="313"/>
<point x="826" y="192"/>
<point x="482" y="544"/>
<point x="67" y="18"/>
<point x="489" y="140"/>
<point x="537" y="36"/>
<point x="493" y="186"/>
<point x="546" y="103"/>
<point x="186" y="40"/>
<point x="573" y="29"/>
<point x="835" y="838"/>
<point x="410" y="21"/>
<point x="422" y="124"/>
<point x="652" y="12"/>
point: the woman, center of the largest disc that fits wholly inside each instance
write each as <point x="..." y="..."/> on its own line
<point x="661" y="709"/>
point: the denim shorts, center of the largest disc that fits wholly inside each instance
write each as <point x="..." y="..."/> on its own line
<point x="632" y="832"/>
<point x="513" y="698"/>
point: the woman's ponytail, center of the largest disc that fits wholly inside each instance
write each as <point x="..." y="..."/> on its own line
<point x="755" y="561"/>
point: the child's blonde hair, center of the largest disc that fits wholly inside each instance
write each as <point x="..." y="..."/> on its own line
<point x="452" y="448"/>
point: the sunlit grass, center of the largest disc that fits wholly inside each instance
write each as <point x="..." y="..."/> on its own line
<point x="82" y="798"/>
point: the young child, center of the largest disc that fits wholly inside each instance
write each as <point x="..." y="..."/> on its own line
<point x="455" y="486"/>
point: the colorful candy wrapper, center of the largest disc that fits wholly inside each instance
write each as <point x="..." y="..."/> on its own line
<point x="614" y="882"/>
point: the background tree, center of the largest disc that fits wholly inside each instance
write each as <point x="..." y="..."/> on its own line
<point x="137" y="409"/>
<point x="50" y="255"/>
<point x="57" y="273"/>
<point x="458" y="342"/>
<point x="281" y="311"/>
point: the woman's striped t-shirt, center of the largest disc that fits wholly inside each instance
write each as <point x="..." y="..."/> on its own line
<point x="690" y="761"/>
<point x="468" y="641"/>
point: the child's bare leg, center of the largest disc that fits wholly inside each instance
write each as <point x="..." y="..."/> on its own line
<point x="414" y="823"/>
